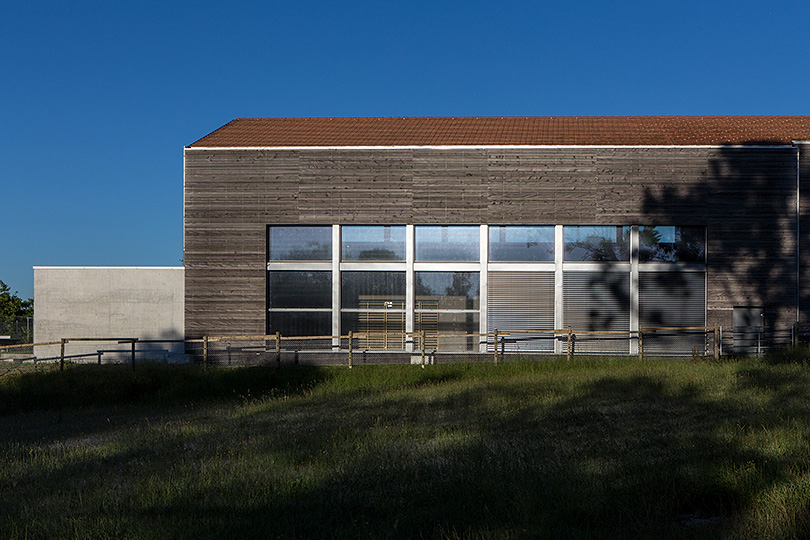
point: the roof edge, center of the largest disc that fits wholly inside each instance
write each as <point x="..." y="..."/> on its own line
<point x="468" y="131"/>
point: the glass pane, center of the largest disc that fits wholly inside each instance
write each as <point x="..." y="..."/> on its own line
<point x="442" y="243"/>
<point x="372" y="321"/>
<point x="672" y="244"/>
<point x="373" y="242"/>
<point x="508" y="243"/>
<point x="381" y="330"/>
<point x="299" y="243"/>
<point x="448" y="331"/>
<point x="446" y="290"/>
<point x="299" y="289"/>
<point x="597" y="243"/>
<point x="300" y="323"/>
<point x="372" y="290"/>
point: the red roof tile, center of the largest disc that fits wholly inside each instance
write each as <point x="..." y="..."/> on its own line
<point x="523" y="130"/>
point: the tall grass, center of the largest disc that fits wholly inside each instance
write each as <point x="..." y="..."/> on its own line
<point x="582" y="449"/>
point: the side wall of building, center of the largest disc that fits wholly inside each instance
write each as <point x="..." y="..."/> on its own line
<point x="93" y="302"/>
<point x="744" y="196"/>
<point x="804" y="230"/>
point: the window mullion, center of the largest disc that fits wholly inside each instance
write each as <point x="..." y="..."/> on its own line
<point x="336" y="286"/>
<point x="409" y="284"/>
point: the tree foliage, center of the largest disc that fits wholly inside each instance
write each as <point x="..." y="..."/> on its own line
<point x="14" y="313"/>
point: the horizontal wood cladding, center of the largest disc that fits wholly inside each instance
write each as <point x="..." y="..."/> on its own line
<point x="744" y="196"/>
<point x="608" y="186"/>
<point x="222" y="300"/>
<point x="804" y="228"/>
<point x="337" y="187"/>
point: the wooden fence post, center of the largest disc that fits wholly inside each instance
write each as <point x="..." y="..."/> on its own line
<point x="716" y="342"/>
<point x="350" y="349"/>
<point x="205" y="352"/>
<point x="640" y="343"/>
<point x="422" y="339"/>
<point x="62" y="354"/>
<point x="570" y="343"/>
<point x="495" y="348"/>
<point x="278" y="348"/>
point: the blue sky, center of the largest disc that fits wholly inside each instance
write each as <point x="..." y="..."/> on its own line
<point x="97" y="99"/>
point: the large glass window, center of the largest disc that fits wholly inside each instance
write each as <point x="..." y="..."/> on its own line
<point x="387" y="321"/>
<point x="446" y="309"/>
<point x="370" y="283"/>
<point x="447" y="243"/>
<point x="373" y="304"/>
<point x="295" y="289"/>
<point x="447" y="331"/>
<point x="380" y="330"/>
<point x="306" y="243"/>
<point x="447" y="290"/>
<point x="597" y="243"/>
<point x="372" y="290"/>
<point x="373" y="242"/>
<point x="672" y="244"/>
<point x="521" y="243"/>
<point x="300" y="323"/>
<point x="299" y="303"/>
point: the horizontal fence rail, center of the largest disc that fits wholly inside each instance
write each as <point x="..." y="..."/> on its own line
<point x="421" y="347"/>
<point x="97" y="350"/>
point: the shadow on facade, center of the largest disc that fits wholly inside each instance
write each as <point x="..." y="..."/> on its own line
<point x="747" y="204"/>
<point x="745" y="198"/>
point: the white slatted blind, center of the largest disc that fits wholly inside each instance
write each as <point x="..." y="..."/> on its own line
<point x="522" y="301"/>
<point x="598" y="301"/>
<point x="668" y="299"/>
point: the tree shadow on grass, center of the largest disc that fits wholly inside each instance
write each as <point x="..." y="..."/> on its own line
<point x="88" y="402"/>
<point x="149" y="384"/>
<point x="626" y="459"/>
<point x="604" y="456"/>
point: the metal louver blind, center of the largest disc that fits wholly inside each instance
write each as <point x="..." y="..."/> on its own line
<point x="598" y="301"/>
<point x="522" y="301"/>
<point x="670" y="299"/>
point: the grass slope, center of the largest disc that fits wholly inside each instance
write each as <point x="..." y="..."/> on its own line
<point x="584" y="449"/>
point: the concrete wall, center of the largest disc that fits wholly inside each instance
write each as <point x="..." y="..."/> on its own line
<point x="95" y="302"/>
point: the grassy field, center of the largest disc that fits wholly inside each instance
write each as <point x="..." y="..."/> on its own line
<point x="551" y="449"/>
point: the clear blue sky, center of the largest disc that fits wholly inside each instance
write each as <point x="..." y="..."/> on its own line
<point x="97" y="99"/>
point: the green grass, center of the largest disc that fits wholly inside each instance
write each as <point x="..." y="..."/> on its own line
<point x="551" y="449"/>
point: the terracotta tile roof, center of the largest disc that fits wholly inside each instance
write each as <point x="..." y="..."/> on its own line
<point x="526" y="130"/>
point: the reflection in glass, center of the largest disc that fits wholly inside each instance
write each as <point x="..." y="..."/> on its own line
<point x="392" y="321"/>
<point x="519" y="243"/>
<point x="672" y="244"/>
<point x="372" y="290"/>
<point x="447" y="331"/>
<point x="300" y="323"/>
<point x="296" y="289"/>
<point x="606" y="243"/>
<point x="299" y="243"/>
<point x="446" y="290"/>
<point x="379" y="329"/>
<point x="447" y="243"/>
<point x="373" y="242"/>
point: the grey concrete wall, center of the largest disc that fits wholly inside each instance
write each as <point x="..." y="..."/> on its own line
<point x="109" y="302"/>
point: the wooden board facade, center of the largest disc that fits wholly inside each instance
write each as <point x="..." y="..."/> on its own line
<point x="744" y="196"/>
